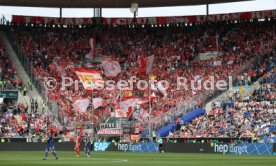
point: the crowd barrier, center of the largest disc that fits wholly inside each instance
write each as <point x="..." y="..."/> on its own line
<point x="188" y="148"/>
<point x="228" y="140"/>
<point x="242" y="148"/>
<point x="13" y="139"/>
<point x="270" y="139"/>
<point x="22" y="140"/>
<point x="245" y="148"/>
<point x="126" y="147"/>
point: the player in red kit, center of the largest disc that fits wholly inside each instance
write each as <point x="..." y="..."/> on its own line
<point x="77" y="145"/>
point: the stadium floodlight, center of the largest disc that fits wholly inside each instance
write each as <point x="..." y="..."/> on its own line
<point x="134" y="7"/>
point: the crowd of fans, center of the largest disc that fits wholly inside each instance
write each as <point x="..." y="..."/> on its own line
<point x="245" y="117"/>
<point x="16" y="121"/>
<point x="8" y="78"/>
<point x="23" y="121"/>
<point x="54" y="52"/>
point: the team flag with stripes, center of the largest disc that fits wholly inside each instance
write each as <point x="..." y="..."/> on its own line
<point x="91" y="79"/>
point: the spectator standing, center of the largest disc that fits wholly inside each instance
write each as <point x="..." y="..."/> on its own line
<point x="36" y="106"/>
<point x="25" y="90"/>
<point x="32" y="105"/>
<point x="30" y="85"/>
<point x="153" y="136"/>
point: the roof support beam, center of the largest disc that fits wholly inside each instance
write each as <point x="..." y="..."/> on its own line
<point x="60" y="12"/>
<point x="98" y="12"/>
<point x="108" y="3"/>
<point x="207" y="12"/>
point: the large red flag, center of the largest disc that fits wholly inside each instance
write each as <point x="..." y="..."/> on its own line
<point x="145" y="65"/>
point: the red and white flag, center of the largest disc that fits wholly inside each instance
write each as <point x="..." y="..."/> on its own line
<point x="91" y="79"/>
<point x="216" y="63"/>
<point x="119" y="113"/>
<point x="111" y="68"/>
<point x="81" y="105"/>
<point x="230" y="62"/>
<point x="198" y="79"/>
<point x="89" y="56"/>
<point x="127" y="103"/>
<point x="145" y="65"/>
<point x="149" y="64"/>
<point x="97" y="102"/>
<point x="162" y="89"/>
<point x="60" y="69"/>
<point x="106" y="57"/>
<point x="152" y="96"/>
<point x="92" y="53"/>
<point x="197" y="84"/>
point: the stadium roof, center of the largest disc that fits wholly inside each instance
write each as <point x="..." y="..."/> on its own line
<point x="108" y="3"/>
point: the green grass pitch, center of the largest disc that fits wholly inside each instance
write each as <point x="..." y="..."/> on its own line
<point x="21" y="158"/>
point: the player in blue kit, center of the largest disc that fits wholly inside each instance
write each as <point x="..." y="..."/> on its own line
<point x="87" y="145"/>
<point x="49" y="146"/>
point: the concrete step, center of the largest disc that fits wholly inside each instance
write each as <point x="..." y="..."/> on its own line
<point x="21" y="73"/>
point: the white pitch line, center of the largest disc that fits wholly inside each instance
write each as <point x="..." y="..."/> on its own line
<point x="118" y="161"/>
<point x="100" y="159"/>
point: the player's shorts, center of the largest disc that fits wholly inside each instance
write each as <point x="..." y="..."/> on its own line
<point x="87" y="146"/>
<point x="77" y="148"/>
<point x="50" y="147"/>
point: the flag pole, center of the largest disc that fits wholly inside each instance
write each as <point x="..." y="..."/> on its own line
<point x="92" y="107"/>
<point x="120" y="98"/>
<point x="217" y="44"/>
<point x="46" y="112"/>
<point x="150" y="128"/>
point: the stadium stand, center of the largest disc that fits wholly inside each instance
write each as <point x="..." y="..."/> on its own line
<point x="237" y="117"/>
<point x="18" y="122"/>
<point x="246" y="48"/>
<point x="8" y="78"/>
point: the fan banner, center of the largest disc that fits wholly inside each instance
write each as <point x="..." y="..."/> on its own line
<point x="91" y="79"/>
<point x="110" y="132"/>
<point x="146" y="20"/>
